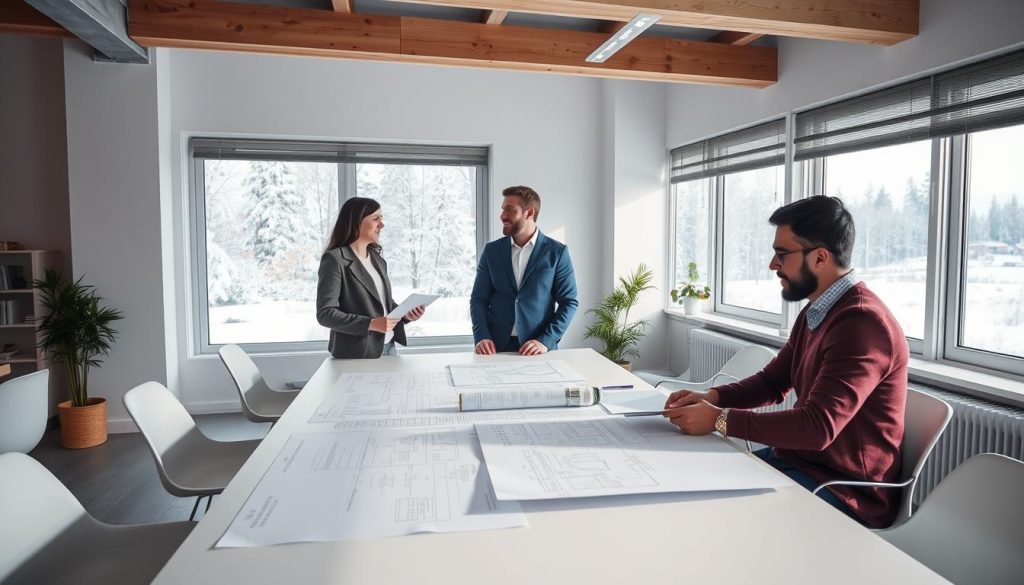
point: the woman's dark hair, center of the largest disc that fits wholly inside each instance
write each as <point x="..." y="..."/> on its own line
<point x="350" y="216"/>
<point x="821" y="221"/>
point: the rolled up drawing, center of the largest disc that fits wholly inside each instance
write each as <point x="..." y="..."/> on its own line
<point x="502" y="399"/>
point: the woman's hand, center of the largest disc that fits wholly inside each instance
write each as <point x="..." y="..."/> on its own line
<point x="415" y="313"/>
<point x="383" y="324"/>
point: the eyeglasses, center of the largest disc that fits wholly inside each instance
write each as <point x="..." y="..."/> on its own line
<point x="781" y="256"/>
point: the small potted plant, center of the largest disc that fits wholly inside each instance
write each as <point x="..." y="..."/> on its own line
<point x="612" y="326"/>
<point x="76" y="331"/>
<point x="691" y="294"/>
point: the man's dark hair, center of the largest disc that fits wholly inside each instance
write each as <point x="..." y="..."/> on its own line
<point x="529" y="197"/>
<point x="820" y="221"/>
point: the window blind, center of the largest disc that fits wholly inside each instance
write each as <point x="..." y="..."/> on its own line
<point x="338" y="152"/>
<point x="760" y="146"/>
<point x="981" y="96"/>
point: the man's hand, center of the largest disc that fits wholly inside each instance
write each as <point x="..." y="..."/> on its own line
<point x="485" y="347"/>
<point x="694" y="419"/>
<point x="532" y="347"/>
<point x="687" y="397"/>
<point x="416" y="313"/>
<point x="383" y="324"/>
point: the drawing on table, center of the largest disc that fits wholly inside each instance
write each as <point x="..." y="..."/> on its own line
<point x="357" y="485"/>
<point x="403" y="400"/>
<point x="526" y="372"/>
<point x="611" y="456"/>
<point x="467" y="418"/>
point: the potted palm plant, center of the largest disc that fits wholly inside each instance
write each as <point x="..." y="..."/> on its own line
<point x="691" y="295"/>
<point x="76" y="332"/>
<point x="611" y="324"/>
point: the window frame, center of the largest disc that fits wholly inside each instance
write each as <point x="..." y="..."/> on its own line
<point x="198" y="302"/>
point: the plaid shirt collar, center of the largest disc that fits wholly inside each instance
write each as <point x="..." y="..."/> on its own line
<point x="822" y="305"/>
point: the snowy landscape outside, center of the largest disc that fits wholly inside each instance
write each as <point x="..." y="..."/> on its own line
<point x="887" y="192"/>
<point x="267" y="224"/>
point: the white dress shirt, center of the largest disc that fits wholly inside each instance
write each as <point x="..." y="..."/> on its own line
<point x="520" y="258"/>
<point x="379" y="283"/>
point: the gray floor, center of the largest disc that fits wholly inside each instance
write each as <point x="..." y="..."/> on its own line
<point x="117" y="481"/>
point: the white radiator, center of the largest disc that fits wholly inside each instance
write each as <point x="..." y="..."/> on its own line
<point x="708" y="353"/>
<point x="977" y="426"/>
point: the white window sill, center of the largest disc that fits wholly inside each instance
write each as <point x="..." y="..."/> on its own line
<point x="988" y="385"/>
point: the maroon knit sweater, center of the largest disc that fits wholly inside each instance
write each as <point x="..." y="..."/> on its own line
<point x="850" y="379"/>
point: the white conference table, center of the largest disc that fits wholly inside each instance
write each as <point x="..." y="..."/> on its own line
<point x="785" y="536"/>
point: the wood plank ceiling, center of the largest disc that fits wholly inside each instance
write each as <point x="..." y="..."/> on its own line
<point x="338" y="29"/>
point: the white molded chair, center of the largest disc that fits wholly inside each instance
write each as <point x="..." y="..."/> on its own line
<point x="47" y="537"/>
<point x="189" y="463"/>
<point x="260" y="402"/>
<point x="971" y="528"/>
<point x="925" y="419"/>
<point x="23" y="411"/>
<point x="744" y="363"/>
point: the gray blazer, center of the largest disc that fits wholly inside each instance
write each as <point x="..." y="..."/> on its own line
<point x="347" y="300"/>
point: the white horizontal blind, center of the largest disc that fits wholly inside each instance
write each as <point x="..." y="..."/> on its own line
<point x="984" y="95"/>
<point x="757" y="147"/>
<point x="339" y="152"/>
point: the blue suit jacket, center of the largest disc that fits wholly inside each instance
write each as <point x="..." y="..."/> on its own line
<point x="542" y="307"/>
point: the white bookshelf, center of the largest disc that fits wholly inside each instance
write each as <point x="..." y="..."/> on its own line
<point x="26" y="335"/>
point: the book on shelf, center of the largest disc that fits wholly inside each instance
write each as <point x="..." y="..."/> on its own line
<point x="12" y="276"/>
<point x="11" y="313"/>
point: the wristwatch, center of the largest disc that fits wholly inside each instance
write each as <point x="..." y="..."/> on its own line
<point x="722" y="421"/>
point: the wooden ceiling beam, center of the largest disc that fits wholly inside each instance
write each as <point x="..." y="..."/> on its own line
<point x="209" y="24"/>
<point x="732" y="37"/>
<point x="17" y="17"/>
<point x="494" y="16"/>
<point x="883" y="22"/>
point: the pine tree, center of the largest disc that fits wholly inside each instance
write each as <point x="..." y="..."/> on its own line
<point x="272" y="219"/>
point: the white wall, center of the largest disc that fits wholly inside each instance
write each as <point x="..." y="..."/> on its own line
<point x="635" y="183"/>
<point x="33" y="156"/>
<point x="812" y="72"/>
<point x="113" y="176"/>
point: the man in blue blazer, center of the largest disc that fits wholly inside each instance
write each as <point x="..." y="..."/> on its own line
<point x="524" y="296"/>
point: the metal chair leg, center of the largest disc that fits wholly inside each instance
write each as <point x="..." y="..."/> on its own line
<point x="209" y="500"/>
<point x="195" y="507"/>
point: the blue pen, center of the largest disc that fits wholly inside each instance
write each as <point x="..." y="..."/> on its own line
<point x="619" y="387"/>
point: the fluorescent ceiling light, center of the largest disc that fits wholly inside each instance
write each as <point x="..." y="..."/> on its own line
<point x="633" y="28"/>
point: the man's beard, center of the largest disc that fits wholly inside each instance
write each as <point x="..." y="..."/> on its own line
<point x="800" y="289"/>
<point x="515" y="228"/>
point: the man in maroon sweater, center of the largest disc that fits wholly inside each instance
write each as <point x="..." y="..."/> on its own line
<point x="846" y="359"/>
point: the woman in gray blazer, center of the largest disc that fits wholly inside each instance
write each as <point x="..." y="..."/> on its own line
<point x="353" y="294"/>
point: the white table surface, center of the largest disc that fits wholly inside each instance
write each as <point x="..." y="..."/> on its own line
<point x="785" y="536"/>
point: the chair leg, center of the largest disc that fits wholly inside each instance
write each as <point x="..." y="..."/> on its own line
<point x="209" y="500"/>
<point x="195" y="507"/>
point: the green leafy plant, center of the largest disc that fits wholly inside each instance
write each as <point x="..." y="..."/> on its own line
<point x="691" y="289"/>
<point x="611" y="325"/>
<point x="76" y="330"/>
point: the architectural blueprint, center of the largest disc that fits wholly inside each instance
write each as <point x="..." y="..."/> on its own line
<point x="610" y="456"/>
<point x="357" y="485"/>
<point x="518" y="372"/>
<point x="385" y="400"/>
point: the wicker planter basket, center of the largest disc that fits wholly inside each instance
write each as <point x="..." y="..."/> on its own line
<point x="628" y="366"/>
<point x="83" y="426"/>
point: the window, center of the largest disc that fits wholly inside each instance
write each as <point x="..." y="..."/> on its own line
<point x="992" y="304"/>
<point x="262" y="212"/>
<point x="750" y="198"/>
<point x="931" y="171"/>
<point x="693" y="220"/>
<point x="725" y="188"/>
<point x="890" y="207"/>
